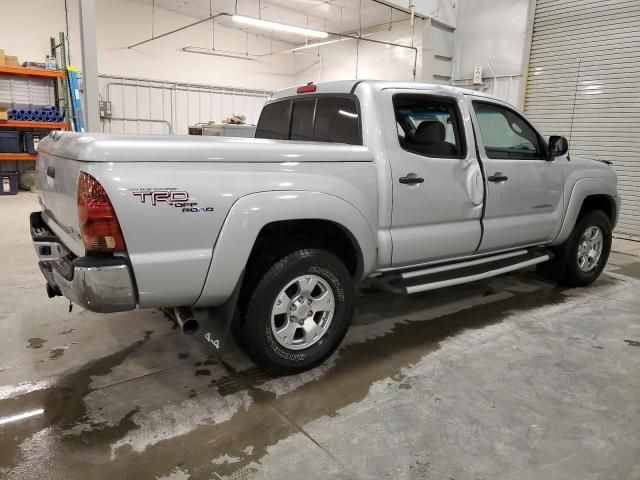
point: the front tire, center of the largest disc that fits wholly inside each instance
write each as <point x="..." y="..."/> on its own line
<point x="588" y="249"/>
<point x="298" y="312"/>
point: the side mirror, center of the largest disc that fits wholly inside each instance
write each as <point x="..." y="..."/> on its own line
<point x="558" y="146"/>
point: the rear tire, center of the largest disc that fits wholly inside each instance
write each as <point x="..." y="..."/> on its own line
<point x="588" y="249"/>
<point x="279" y="328"/>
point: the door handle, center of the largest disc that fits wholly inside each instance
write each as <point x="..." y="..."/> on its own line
<point x="498" y="177"/>
<point x="411" y="180"/>
<point x="51" y="172"/>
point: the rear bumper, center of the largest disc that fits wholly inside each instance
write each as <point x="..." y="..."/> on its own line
<point x="100" y="284"/>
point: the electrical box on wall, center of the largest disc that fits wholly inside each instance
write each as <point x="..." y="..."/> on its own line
<point x="477" y="75"/>
<point x="105" y="109"/>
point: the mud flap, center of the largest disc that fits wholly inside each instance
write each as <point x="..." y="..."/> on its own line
<point x="214" y="324"/>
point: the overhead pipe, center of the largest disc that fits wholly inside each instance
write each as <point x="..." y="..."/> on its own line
<point x="343" y="35"/>
<point x="412" y="11"/>
<point x="179" y="29"/>
<point x="191" y="86"/>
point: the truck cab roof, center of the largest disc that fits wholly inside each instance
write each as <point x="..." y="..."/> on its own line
<point x="349" y="86"/>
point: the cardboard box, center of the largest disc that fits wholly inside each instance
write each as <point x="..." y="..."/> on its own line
<point x="1" y="56"/>
<point x="11" y="61"/>
<point x="3" y="114"/>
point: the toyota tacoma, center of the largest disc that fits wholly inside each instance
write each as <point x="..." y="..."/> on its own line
<point x="412" y="186"/>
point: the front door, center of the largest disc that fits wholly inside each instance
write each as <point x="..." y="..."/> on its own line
<point x="524" y="201"/>
<point x="437" y="182"/>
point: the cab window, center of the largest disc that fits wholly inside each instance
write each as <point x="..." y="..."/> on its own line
<point x="302" y="119"/>
<point x="506" y="135"/>
<point x="274" y="121"/>
<point x="428" y="126"/>
<point x="321" y="118"/>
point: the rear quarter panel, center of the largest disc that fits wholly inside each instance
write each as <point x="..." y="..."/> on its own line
<point x="171" y="250"/>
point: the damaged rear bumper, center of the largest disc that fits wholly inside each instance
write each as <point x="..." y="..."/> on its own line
<point x="99" y="284"/>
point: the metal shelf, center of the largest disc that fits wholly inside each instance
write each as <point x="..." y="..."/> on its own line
<point x="17" y="156"/>
<point x="31" y="72"/>
<point x="29" y="124"/>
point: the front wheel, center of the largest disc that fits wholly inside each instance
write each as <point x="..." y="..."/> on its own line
<point x="299" y="311"/>
<point x="588" y="249"/>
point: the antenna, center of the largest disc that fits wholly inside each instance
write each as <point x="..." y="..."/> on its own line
<point x="575" y="94"/>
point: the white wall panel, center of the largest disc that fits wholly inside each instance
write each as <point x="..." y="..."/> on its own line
<point x="120" y="23"/>
<point x="350" y="59"/>
<point x="493" y="35"/>
<point x="585" y="56"/>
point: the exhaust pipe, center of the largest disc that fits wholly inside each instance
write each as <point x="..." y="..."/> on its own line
<point x="185" y="320"/>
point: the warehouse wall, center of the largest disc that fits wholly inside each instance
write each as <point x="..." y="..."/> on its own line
<point x="350" y="59"/>
<point x="120" y="24"/>
<point x="496" y="36"/>
<point x="155" y="107"/>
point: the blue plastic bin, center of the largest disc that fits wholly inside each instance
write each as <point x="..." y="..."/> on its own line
<point x="31" y="140"/>
<point x="10" y="142"/>
<point x="8" y="183"/>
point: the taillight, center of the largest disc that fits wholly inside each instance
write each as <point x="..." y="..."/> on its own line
<point x="98" y="222"/>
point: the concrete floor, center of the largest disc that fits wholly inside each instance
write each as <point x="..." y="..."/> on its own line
<point x="508" y="378"/>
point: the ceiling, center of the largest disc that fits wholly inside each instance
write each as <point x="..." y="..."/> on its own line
<point x="334" y="16"/>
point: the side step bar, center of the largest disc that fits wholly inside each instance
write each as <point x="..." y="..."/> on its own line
<point x="422" y="280"/>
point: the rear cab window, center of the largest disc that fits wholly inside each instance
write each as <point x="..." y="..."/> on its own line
<point x="320" y="118"/>
<point x="274" y="121"/>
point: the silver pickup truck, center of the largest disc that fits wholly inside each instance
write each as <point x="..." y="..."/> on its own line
<point x="412" y="186"/>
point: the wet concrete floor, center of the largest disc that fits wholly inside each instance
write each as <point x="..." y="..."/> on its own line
<point x="508" y="378"/>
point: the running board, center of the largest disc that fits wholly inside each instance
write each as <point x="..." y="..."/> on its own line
<point x="425" y="279"/>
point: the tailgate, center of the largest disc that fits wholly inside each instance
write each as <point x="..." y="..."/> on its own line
<point x="57" y="183"/>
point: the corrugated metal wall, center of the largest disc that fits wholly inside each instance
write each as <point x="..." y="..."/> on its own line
<point x="587" y="52"/>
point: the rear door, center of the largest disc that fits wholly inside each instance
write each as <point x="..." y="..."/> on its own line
<point x="437" y="182"/>
<point x="524" y="200"/>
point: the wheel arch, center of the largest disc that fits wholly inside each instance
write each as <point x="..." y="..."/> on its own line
<point x="270" y="216"/>
<point x="588" y="194"/>
<point x="598" y="202"/>
<point x="316" y="232"/>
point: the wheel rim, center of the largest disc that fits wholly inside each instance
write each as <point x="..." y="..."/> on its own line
<point x="302" y="312"/>
<point x="590" y="248"/>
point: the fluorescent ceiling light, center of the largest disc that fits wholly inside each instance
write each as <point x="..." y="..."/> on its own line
<point x="256" y="22"/>
<point x="21" y="416"/>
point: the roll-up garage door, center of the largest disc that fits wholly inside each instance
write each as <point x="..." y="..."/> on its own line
<point x="585" y="64"/>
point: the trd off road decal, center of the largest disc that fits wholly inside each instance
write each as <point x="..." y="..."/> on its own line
<point x="171" y="196"/>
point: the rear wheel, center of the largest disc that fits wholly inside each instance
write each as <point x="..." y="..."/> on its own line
<point x="298" y="312"/>
<point x="588" y="249"/>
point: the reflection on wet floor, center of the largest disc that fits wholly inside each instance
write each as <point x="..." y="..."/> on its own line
<point x="155" y="407"/>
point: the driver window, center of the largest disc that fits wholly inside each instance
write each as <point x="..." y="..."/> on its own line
<point x="505" y="134"/>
